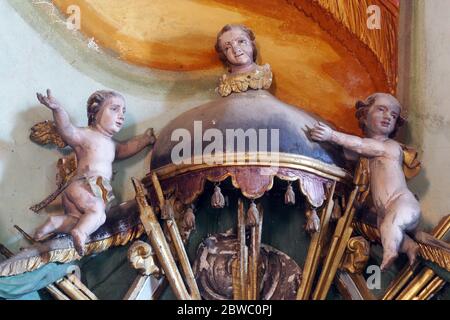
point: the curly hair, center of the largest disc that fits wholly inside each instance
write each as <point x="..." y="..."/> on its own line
<point x="228" y="27"/>
<point x="95" y="102"/>
<point x="362" y="107"/>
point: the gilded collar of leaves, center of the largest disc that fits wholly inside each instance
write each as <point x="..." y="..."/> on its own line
<point x="259" y="78"/>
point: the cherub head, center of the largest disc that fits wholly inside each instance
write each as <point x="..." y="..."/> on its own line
<point x="106" y="109"/>
<point x="236" y="46"/>
<point x="380" y="114"/>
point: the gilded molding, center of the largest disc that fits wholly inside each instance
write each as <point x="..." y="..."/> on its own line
<point x="15" y="266"/>
<point x="273" y="160"/>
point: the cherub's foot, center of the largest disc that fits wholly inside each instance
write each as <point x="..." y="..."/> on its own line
<point x="387" y="262"/>
<point x="42" y="233"/>
<point x="41" y="236"/>
<point x="79" y="238"/>
<point x="412" y="252"/>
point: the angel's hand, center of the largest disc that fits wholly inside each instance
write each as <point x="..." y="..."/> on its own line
<point x="49" y="101"/>
<point x="151" y="134"/>
<point x="321" y="132"/>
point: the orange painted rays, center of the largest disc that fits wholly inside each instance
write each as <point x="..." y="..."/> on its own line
<point x="312" y="69"/>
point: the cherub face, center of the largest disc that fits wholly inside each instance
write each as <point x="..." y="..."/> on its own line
<point x="111" y="115"/>
<point x="382" y="117"/>
<point x="237" y="47"/>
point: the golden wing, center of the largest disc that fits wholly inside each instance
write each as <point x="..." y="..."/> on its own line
<point x="411" y="163"/>
<point x="67" y="167"/>
<point x="45" y="132"/>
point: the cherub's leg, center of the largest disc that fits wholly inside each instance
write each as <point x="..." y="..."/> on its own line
<point x="408" y="218"/>
<point x="403" y="214"/>
<point x="55" y="224"/>
<point x="88" y="223"/>
<point x="391" y="238"/>
<point x="59" y="223"/>
<point x="72" y="212"/>
<point x="93" y="216"/>
<point x="411" y="248"/>
<point x="92" y="219"/>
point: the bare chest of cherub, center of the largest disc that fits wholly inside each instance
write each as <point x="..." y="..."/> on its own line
<point x="387" y="180"/>
<point x="95" y="154"/>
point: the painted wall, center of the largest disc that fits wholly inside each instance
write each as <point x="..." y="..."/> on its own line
<point x="424" y="89"/>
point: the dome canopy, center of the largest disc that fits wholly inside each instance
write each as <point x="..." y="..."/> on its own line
<point x="256" y="110"/>
<point x="280" y="148"/>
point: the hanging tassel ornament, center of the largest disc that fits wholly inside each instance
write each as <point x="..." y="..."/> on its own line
<point x="252" y="215"/>
<point x="217" y="199"/>
<point x="312" y="221"/>
<point x="289" y="196"/>
<point x="189" y="219"/>
<point x="337" y="211"/>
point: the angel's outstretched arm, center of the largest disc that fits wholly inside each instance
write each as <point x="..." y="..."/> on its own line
<point x="131" y="147"/>
<point x="363" y="146"/>
<point x="70" y="133"/>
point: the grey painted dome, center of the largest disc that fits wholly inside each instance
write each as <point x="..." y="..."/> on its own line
<point x="255" y="109"/>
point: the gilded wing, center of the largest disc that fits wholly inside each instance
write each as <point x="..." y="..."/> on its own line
<point x="45" y="132"/>
<point x="411" y="163"/>
<point x="67" y="167"/>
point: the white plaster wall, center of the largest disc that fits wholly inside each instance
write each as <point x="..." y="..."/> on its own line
<point x="32" y="58"/>
<point x="425" y="89"/>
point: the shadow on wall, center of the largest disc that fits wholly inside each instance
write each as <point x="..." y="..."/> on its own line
<point x="6" y="222"/>
<point x="26" y="174"/>
<point x="420" y="184"/>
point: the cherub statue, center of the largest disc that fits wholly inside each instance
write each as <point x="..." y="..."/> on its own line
<point x="236" y="46"/>
<point x="237" y="50"/>
<point x="86" y="196"/>
<point x="397" y="209"/>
